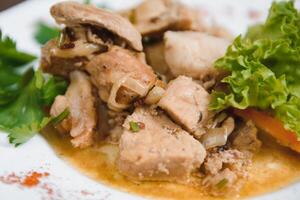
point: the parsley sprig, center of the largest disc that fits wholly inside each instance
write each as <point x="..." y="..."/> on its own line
<point x="24" y="93"/>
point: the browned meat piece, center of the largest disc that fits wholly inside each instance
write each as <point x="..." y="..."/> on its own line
<point x="226" y="172"/>
<point x="89" y="31"/>
<point x="76" y="14"/>
<point x="193" y="53"/>
<point x="120" y="77"/>
<point x="81" y="122"/>
<point x="246" y="138"/>
<point x="57" y="64"/>
<point x="160" y="150"/>
<point x="153" y="17"/>
<point x="186" y="102"/>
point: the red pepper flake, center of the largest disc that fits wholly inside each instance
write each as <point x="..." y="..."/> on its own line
<point x="32" y="179"/>
<point x="46" y="174"/>
<point x="141" y="125"/>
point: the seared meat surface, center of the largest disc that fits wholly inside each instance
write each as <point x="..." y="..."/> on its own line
<point x="75" y="14"/>
<point x="160" y="150"/>
<point x="56" y="64"/>
<point x="89" y="31"/>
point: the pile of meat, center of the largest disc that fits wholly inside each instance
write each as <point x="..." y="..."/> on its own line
<point x="141" y="78"/>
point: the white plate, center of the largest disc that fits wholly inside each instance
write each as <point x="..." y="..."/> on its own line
<point x="66" y="182"/>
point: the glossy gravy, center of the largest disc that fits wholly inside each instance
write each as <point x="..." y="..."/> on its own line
<point x="98" y="163"/>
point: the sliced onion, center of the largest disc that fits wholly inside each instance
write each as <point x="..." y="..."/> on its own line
<point x="136" y="86"/>
<point x="219" y="119"/>
<point x="218" y="136"/>
<point x="213" y="138"/>
<point x="81" y="49"/>
<point x="111" y="102"/>
<point x="154" y="95"/>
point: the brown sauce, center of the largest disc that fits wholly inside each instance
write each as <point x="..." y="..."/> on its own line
<point x="98" y="163"/>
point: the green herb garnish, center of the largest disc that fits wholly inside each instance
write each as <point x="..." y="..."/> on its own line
<point x="56" y="120"/>
<point x="222" y="183"/>
<point x="45" y="32"/>
<point x="87" y="2"/>
<point x="23" y="93"/>
<point x="134" y="126"/>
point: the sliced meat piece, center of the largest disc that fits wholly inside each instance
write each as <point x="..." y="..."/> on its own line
<point x="81" y="123"/>
<point x="186" y="102"/>
<point x="74" y="14"/>
<point x="120" y="77"/>
<point x="246" y="138"/>
<point x="56" y="64"/>
<point x="225" y="172"/>
<point x="153" y="17"/>
<point x="193" y="53"/>
<point x="160" y="150"/>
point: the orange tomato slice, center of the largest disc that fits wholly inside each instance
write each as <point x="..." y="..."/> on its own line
<point x="272" y="126"/>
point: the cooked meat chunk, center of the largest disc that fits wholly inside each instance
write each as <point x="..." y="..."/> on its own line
<point x="56" y="64"/>
<point x="81" y="122"/>
<point x="153" y="17"/>
<point x="193" y="53"/>
<point x="76" y="14"/>
<point x="186" y="102"/>
<point x="155" y="57"/>
<point x="160" y="150"/>
<point x="89" y="31"/>
<point x="233" y="159"/>
<point x="226" y="171"/>
<point x="246" y="138"/>
<point x="120" y="77"/>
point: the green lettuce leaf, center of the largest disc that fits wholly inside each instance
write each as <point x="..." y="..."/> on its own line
<point x="264" y="68"/>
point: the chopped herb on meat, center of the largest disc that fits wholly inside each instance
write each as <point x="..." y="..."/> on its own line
<point x="23" y="95"/>
<point x="134" y="126"/>
<point x="45" y="32"/>
<point x="222" y="183"/>
<point x="56" y="120"/>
